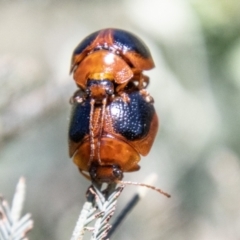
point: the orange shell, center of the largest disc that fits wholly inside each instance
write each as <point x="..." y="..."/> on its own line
<point x="104" y="63"/>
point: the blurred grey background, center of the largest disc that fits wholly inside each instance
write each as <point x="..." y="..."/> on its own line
<point x="196" y="86"/>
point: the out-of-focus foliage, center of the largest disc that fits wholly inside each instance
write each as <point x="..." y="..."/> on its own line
<point x="196" y="87"/>
<point x="221" y="24"/>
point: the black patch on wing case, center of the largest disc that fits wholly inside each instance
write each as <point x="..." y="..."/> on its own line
<point x="133" y="119"/>
<point x="85" y="43"/>
<point x="127" y="40"/>
<point x="79" y="123"/>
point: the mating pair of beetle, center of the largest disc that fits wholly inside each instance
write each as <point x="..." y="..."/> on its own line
<point x="113" y="119"/>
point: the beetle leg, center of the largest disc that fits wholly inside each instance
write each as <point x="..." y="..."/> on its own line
<point x="78" y="97"/>
<point x="143" y="81"/>
<point x="134" y="168"/>
<point x="148" y="98"/>
<point x="85" y="174"/>
<point x="125" y="97"/>
<point x="120" y="87"/>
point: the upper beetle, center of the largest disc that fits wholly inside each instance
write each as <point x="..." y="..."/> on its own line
<point x="112" y="55"/>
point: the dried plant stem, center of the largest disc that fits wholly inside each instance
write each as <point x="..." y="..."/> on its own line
<point x="129" y="207"/>
<point x="106" y="204"/>
<point x="84" y="217"/>
<point x="99" y="207"/>
<point x="11" y="225"/>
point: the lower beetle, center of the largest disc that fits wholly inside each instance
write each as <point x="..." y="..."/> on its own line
<point x="107" y="140"/>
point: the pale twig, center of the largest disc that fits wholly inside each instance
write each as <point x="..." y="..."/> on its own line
<point x="107" y="207"/>
<point x="85" y="217"/>
<point x="18" y="199"/>
<point x="11" y="225"/>
<point x="99" y="207"/>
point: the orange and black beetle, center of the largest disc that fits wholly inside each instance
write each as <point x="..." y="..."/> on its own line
<point x="107" y="142"/>
<point x="113" y="119"/>
<point x="112" y="54"/>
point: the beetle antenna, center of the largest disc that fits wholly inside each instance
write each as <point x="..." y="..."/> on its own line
<point x="104" y="101"/>
<point x="92" y="146"/>
<point x="144" y="185"/>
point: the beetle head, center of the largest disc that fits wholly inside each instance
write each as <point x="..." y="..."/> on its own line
<point x="99" y="89"/>
<point x="105" y="174"/>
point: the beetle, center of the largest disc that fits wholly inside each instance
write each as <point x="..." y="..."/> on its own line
<point x="111" y="54"/>
<point x="113" y="121"/>
<point x="107" y="140"/>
